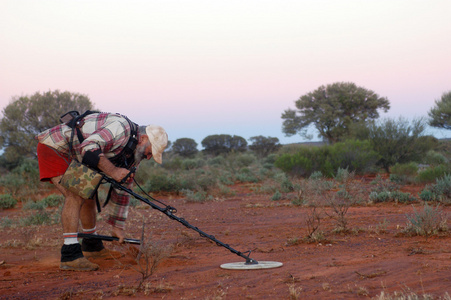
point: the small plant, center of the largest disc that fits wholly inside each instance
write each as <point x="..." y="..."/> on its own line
<point x="343" y="175"/>
<point x="440" y="191"/>
<point x="316" y="175"/>
<point x="6" y="222"/>
<point x="38" y="218"/>
<point x="427" y="195"/>
<point x="277" y="196"/>
<point x="149" y="257"/>
<point x="402" y="197"/>
<point x="7" y="201"/>
<point x="430" y="221"/>
<point x="200" y="196"/>
<point x="404" y="173"/>
<point x="31" y="205"/>
<point x="313" y="222"/>
<point x="53" y="200"/>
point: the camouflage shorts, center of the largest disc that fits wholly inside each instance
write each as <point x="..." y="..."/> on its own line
<point x="81" y="180"/>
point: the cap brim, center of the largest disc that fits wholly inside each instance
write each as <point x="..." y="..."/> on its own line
<point x="157" y="156"/>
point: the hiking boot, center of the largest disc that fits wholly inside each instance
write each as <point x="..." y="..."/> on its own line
<point x="104" y="253"/>
<point x="91" y="245"/>
<point x="80" y="264"/>
<point x="93" y="248"/>
<point x="72" y="259"/>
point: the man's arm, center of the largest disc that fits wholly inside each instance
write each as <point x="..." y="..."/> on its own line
<point x="111" y="170"/>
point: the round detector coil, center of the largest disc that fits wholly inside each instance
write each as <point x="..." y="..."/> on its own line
<point x="244" y="266"/>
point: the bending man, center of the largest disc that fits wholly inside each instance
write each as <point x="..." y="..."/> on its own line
<point x="110" y="143"/>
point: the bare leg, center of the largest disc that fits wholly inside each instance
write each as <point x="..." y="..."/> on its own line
<point x="72" y="206"/>
<point x="88" y="214"/>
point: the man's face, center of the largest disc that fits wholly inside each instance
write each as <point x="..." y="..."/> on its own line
<point x="143" y="149"/>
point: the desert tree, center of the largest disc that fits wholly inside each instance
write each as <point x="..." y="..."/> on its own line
<point x="26" y="116"/>
<point x="399" y="140"/>
<point x="332" y="109"/>
<point x="185" y="147"/>
<point x="263" y="146"/>
<point x="440" y="114"/>
<point x="223" y="143"/>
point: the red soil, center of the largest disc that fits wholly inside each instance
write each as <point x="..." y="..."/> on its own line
<point x="372" y="258"/>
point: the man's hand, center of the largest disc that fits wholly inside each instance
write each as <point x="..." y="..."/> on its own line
<point x="119" y="233"/>
<point x="111" y="170"/>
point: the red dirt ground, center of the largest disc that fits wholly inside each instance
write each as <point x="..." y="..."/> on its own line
<point x="373" y="258"/>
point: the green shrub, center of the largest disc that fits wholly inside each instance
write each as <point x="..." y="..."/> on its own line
<point x="38" y="218"/>
<point x="246" y="175"/>
<point x="53" y="200"/>
<point x="316" y="175"/>
<point x="7" y="201"/>
<point x="206" y="181"/>
<point x="304" y="162"/>
<point x="428" y="195"/>
<point x="429" y="221"/>
<point x="434" y="158"/>
<point x="217" y="161"/>
<point x="226" y="178"/>
<point x="402" y="197"/>
<point x="277" y="196"/>
<point x="404" y="173"/>
<point x="343" y="175"/>
<point x="285" y="184"/>
<point x="31" y="205"/>
<point x="383" y="196"/>
<point x="354" y="155"/>
<point x="6" y="222"/>
<point x="200" y="196"/>
<point x="245" y="159"/>
<point x="432" y="173"/>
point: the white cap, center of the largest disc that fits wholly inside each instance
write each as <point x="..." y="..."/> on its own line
<point x="159" y="140"/>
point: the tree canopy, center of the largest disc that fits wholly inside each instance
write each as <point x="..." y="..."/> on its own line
<point x="263" y="146"/>
<point x="223" y="143"/>
<point x="440" y="114"/>
<point x="185" y="147"/>
<point x="332" y="109"/>
<point x="26" y="116"/>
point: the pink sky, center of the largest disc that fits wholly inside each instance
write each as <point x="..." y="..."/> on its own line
<point x="210" y="67"/>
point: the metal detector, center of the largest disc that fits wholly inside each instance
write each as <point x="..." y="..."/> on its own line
<point x="169" y="211"/>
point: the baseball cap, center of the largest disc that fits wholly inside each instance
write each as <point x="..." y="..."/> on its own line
<point x="159" y="140"/>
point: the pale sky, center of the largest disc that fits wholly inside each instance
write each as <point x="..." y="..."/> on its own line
<point x="199" y="68"/>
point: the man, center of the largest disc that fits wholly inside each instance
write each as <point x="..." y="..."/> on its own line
<point x="110" y="143"/>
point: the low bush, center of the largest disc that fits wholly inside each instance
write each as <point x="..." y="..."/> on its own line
<point x="354" y="155"/>
<point x="53" y="200"/>
<point x="432" y="173"/>
<point x="427" y="222"/>
<point x="404" y="173"/>
<point x="440" y="191"/>
<point x="38" y="218"/>
<point x="7" y="201"/>
<point x="434" y="158"/>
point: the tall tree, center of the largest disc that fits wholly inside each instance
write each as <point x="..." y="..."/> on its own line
<point x="185" y="147"/>
<point x="440" y="114"/>
<point x="263" y="146"/>
<point x="26" y="116"/>
<point x="332" y="109"/>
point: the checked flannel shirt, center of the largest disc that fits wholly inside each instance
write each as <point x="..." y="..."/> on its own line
<point x="104" y="131"/>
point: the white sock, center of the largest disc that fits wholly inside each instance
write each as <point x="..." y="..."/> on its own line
<point x="70" y="238"/>
<point x="90" y="231"/>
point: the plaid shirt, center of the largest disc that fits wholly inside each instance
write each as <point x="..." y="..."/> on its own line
<point x="104" y="131"/>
